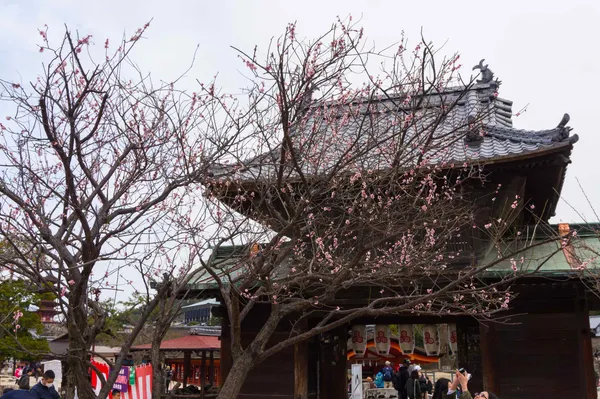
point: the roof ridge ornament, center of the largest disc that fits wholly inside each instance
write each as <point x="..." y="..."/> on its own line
<point x="564" y="131"/>
<point x="565" y="119"/>
<point x="487" y="76"/>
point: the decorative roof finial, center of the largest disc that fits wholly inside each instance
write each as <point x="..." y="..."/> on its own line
<point x="486" y="73"/>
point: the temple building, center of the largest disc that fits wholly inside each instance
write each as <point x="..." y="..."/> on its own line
<point x="544" y="351"/>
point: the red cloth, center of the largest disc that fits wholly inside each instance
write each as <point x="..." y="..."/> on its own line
<point x="143" y="382"/>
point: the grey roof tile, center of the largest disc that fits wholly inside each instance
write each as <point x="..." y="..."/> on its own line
<point x="498" y="138"/>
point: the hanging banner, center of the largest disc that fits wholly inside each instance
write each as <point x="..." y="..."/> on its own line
<point x="143" y="384"/>
<point x="132" y="376"/>
<point x="452" y="338"/>
<point x="406" y="338"/>
<point x="142" y="389"/>
<point x="122" y="381"/>
<point x="359" y="339"/>
<point x="96" y="381"/>
<point x="430" y="340"/>
<point x="383" y="339"/>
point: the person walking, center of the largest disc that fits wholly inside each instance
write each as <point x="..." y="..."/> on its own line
<point x="388" y="375"/>
<point x="23" y="382"/>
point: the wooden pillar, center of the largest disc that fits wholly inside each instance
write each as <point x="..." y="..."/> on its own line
<point x="187" y="367"/>
<point x="211" y="369"/>
<point x="301" y="365"/>
<point x="487" y="344"/>
<point x="203" y="374"/>
<point x="469" y="351"/>
<point x="225" y="350"/>
<point x="332" y="373"/>
<point x="586" y="358"/>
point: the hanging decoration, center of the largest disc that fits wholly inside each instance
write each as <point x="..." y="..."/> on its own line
<point x="383" y="338"/>
<point x="452" y="338"/>
<point x="359" y="339"/>
<point x="431" y="339"/>
<point x="406" y="338"/>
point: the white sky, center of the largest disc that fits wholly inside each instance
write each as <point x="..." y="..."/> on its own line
<point x="544" y="52"/>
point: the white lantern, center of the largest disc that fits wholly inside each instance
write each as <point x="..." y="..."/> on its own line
<point x="406" y="338"/>
<point x="430" y="340"/>
<point x="359" y="339"/>
<point x="452" y="338"/>
<point x="382" y="339"/>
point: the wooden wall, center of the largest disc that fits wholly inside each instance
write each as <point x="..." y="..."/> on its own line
<point x="545" y="353"/>
<point x="469" y="352"/>
<point x="537" y="358"/>
<point x="274" y="378"/>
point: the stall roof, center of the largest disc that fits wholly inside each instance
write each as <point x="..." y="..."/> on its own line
<point x="189" y="342"/>
<point x="211" y="301"/>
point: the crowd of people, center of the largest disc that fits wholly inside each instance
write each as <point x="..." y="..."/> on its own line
<point x="42" y="389"/>
<point x="412" y="383"/>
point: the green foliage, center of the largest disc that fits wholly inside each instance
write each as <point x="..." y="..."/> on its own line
<point x="20" y="343"/>
<point x="418" y="329"/>
<point x="114" y="323"/>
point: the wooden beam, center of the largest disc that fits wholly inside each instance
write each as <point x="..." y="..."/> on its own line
<point x="587" y="375"/>
<point x="301" y="365"/>
<point x="203" y="375"/>
<point x="187" y="367"/>
<point x="487" y="343"/>
<point x="211" y="369"/>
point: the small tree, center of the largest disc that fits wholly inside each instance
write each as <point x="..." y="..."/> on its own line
<point x="95" y="156"/>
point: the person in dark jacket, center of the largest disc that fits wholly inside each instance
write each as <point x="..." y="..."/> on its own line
<point x="45" y="388"/>
<point x="428" y="385"/>
<point x="413" y="387"/>
<point x="20" y="394"/>
<point x="401" y="378"/>
<point x="23" y="382"/>
<point x="441" y="387"/>
<point x="423" y="383"/>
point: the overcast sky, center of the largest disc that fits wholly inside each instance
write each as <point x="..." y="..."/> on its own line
<point x="544" y="52"/>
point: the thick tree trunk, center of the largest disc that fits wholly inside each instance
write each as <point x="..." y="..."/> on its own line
<point x="78" y="356"/>
<point x="235" y="379"/>
<point x="157" y="371"/>
<point x="77" y="377"/>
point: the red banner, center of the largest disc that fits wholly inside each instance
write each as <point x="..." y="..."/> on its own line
<point x="143" y="384"/>
<point x="142" y="389"/>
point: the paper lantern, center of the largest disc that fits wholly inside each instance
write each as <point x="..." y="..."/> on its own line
<point x="406" y="338"/>
<point x="383" y="339"/>
<point x="359" y="339"/>
<point x="431" y="340"/>
<point x="452" y="338"/>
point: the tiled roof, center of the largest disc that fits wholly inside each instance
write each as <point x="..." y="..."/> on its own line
<point x="195" y="342"/>
<point x="495" y="138"/>
<point x="550" y="257"/>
